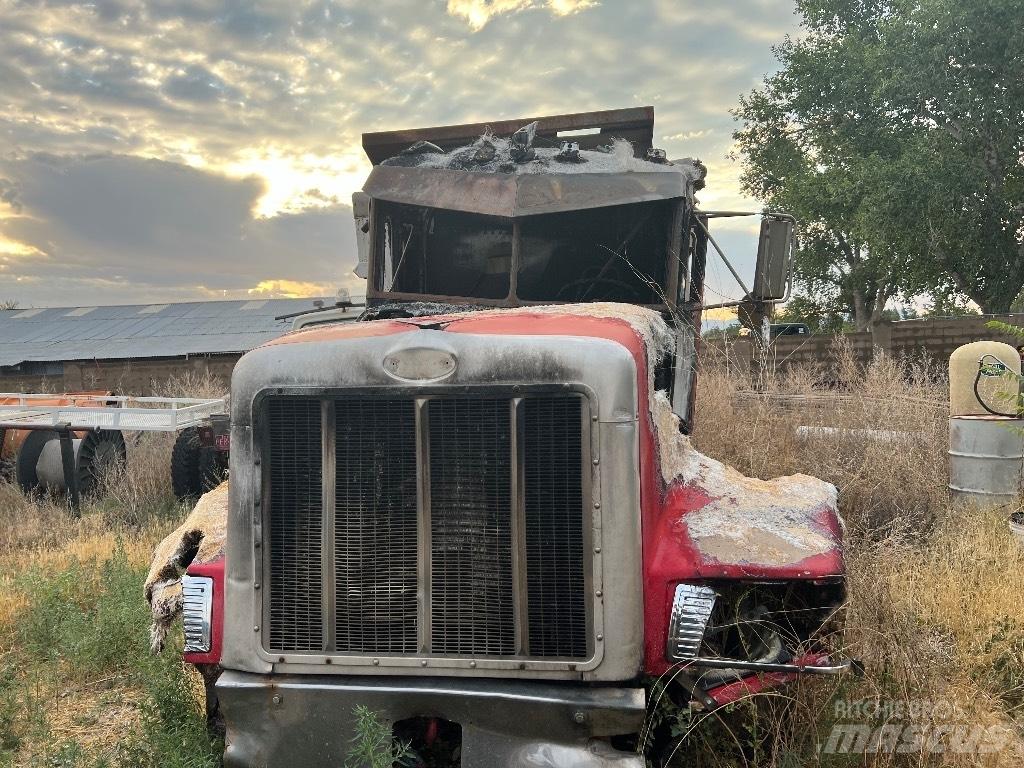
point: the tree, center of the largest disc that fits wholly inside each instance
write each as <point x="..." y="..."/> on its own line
<point x="895" y="131"/>
<point x="820" y="317"/>
<point x="8" y="304"/>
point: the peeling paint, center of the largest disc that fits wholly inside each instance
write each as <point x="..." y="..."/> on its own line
<point x="646" y="323"/>
<point x="200" y="539"/>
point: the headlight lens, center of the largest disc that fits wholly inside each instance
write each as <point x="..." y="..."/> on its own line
<point x="691" y="610"/>
<point x="196" y="611"/>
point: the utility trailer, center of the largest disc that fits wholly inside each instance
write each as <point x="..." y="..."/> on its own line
<point x="63" y="441"/>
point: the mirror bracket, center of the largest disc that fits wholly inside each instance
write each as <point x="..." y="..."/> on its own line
<point x="773" y="276"/>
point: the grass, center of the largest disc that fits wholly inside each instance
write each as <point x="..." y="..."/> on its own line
<point x="936" y="609"/>
<point x="78" y="685"/>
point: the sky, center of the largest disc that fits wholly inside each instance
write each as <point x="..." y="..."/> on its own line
<point x="158" y="150"/>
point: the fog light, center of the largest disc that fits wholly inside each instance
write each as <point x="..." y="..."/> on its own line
<point x="196" y="612"/>
<point x="691" y="611"/>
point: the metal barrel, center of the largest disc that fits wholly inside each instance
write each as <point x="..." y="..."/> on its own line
<point x="986" y="460"/>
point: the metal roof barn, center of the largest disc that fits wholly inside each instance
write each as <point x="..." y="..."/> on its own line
<point x="143" y="330"/>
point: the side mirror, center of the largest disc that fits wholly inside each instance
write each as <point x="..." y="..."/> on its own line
<point x="361" y="212"/>
<point x="774" y="259"/>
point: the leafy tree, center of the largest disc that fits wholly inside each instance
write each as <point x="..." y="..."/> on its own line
<point x="818" y="316"/>
<point x="894" y="130"/>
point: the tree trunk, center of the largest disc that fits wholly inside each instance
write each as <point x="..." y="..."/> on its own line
<point x="861" y="316"/>
<point x="878" y="306"/>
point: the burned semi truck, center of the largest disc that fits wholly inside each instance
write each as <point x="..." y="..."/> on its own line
<point x="478" y="514"/>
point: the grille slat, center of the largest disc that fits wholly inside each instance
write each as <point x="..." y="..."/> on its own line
<point x="471" y="597"/>
<point x="296" y="524"/>
<point x="552" y="457"/>
<point x="468" y="547"/>
<point x="375" y="526"/>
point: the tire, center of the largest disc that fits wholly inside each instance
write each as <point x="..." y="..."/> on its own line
<point x="185" y="477"/>
<point x="99" y="451"/>
<point x="213" y="468"/>
<point x="28" y="456"/>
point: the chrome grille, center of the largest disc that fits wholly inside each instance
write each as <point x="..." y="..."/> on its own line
<point x="296" y="489"/>
<point x="451" y="525"/>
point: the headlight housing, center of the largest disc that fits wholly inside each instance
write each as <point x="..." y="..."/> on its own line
<point x="197" y="612"/>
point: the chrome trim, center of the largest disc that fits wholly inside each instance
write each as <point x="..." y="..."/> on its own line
<point x="764" y="666"/>
<point x="603" y="370"/>
<point x="424" y="566"/>
<point x="518" y="530"/>
<point x="692" y="605"/>
<point x="197" y="612"/>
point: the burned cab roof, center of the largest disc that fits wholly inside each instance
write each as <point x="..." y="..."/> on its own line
<point x="514" y="176"/>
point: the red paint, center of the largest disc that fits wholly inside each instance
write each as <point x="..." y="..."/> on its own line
<point x="747" y="686"/>
<point x="341" y="331"/>
<point x="214" y="570"/>
<point x="669" y="556"/>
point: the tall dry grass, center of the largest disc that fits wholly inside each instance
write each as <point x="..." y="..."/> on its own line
<point x="936" y="590"/>
<point x="77" y="684"/>
<point x="128" y="499"/>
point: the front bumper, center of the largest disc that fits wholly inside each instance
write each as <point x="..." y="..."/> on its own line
<point x="290" y="720"/>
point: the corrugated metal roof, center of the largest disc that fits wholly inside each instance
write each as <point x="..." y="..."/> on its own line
<point x="143" y="330"/>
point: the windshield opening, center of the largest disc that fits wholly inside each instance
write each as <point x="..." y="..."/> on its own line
<point x="438" y="252"/>
<point x="617" y="253"/>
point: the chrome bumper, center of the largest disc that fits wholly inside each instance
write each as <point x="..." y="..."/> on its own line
<point x="290" y="720"/>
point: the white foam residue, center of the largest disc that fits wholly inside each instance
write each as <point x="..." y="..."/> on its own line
<point x="618" y="159"/>
<point x="747" y="520"/>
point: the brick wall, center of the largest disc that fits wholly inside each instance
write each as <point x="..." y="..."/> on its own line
<point x="139" y="377"/>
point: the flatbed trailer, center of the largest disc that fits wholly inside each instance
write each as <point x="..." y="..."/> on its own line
<point x="84" y="421"/>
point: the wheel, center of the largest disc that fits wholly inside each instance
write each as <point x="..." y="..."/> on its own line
<point x="185" y="477"/>
<point x="99" y="451"/>
<point x="28" y="457"/>
<point x="213" y="468"/>
<point x="214" y="717"/>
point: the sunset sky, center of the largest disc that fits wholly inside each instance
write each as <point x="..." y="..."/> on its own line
<point x="173" y="151"/>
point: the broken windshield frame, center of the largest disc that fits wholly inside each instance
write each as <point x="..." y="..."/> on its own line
<point x="624" y="253"/>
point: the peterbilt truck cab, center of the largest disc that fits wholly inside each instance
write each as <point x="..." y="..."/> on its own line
<point x="476" y="514"/>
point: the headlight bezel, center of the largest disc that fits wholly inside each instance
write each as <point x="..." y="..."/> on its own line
<point x="197" y="613"/>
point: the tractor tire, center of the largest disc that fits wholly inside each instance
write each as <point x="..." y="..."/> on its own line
<point x="100" y="451"/>
<point x="185" y="478"/>
<point x="213" y="468"/>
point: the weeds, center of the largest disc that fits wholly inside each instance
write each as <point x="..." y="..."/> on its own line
<point x="373" y="745"/>
<point x="936" y="607"/>
<point x="81" y="672"/>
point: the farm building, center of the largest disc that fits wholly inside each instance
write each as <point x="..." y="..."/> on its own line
<point x="129" y="349"/>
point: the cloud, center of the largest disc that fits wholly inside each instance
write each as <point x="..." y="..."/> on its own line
<point x="119" y="224"/>
<point x="255" y="109"/>
<point x="479" y="12"/>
